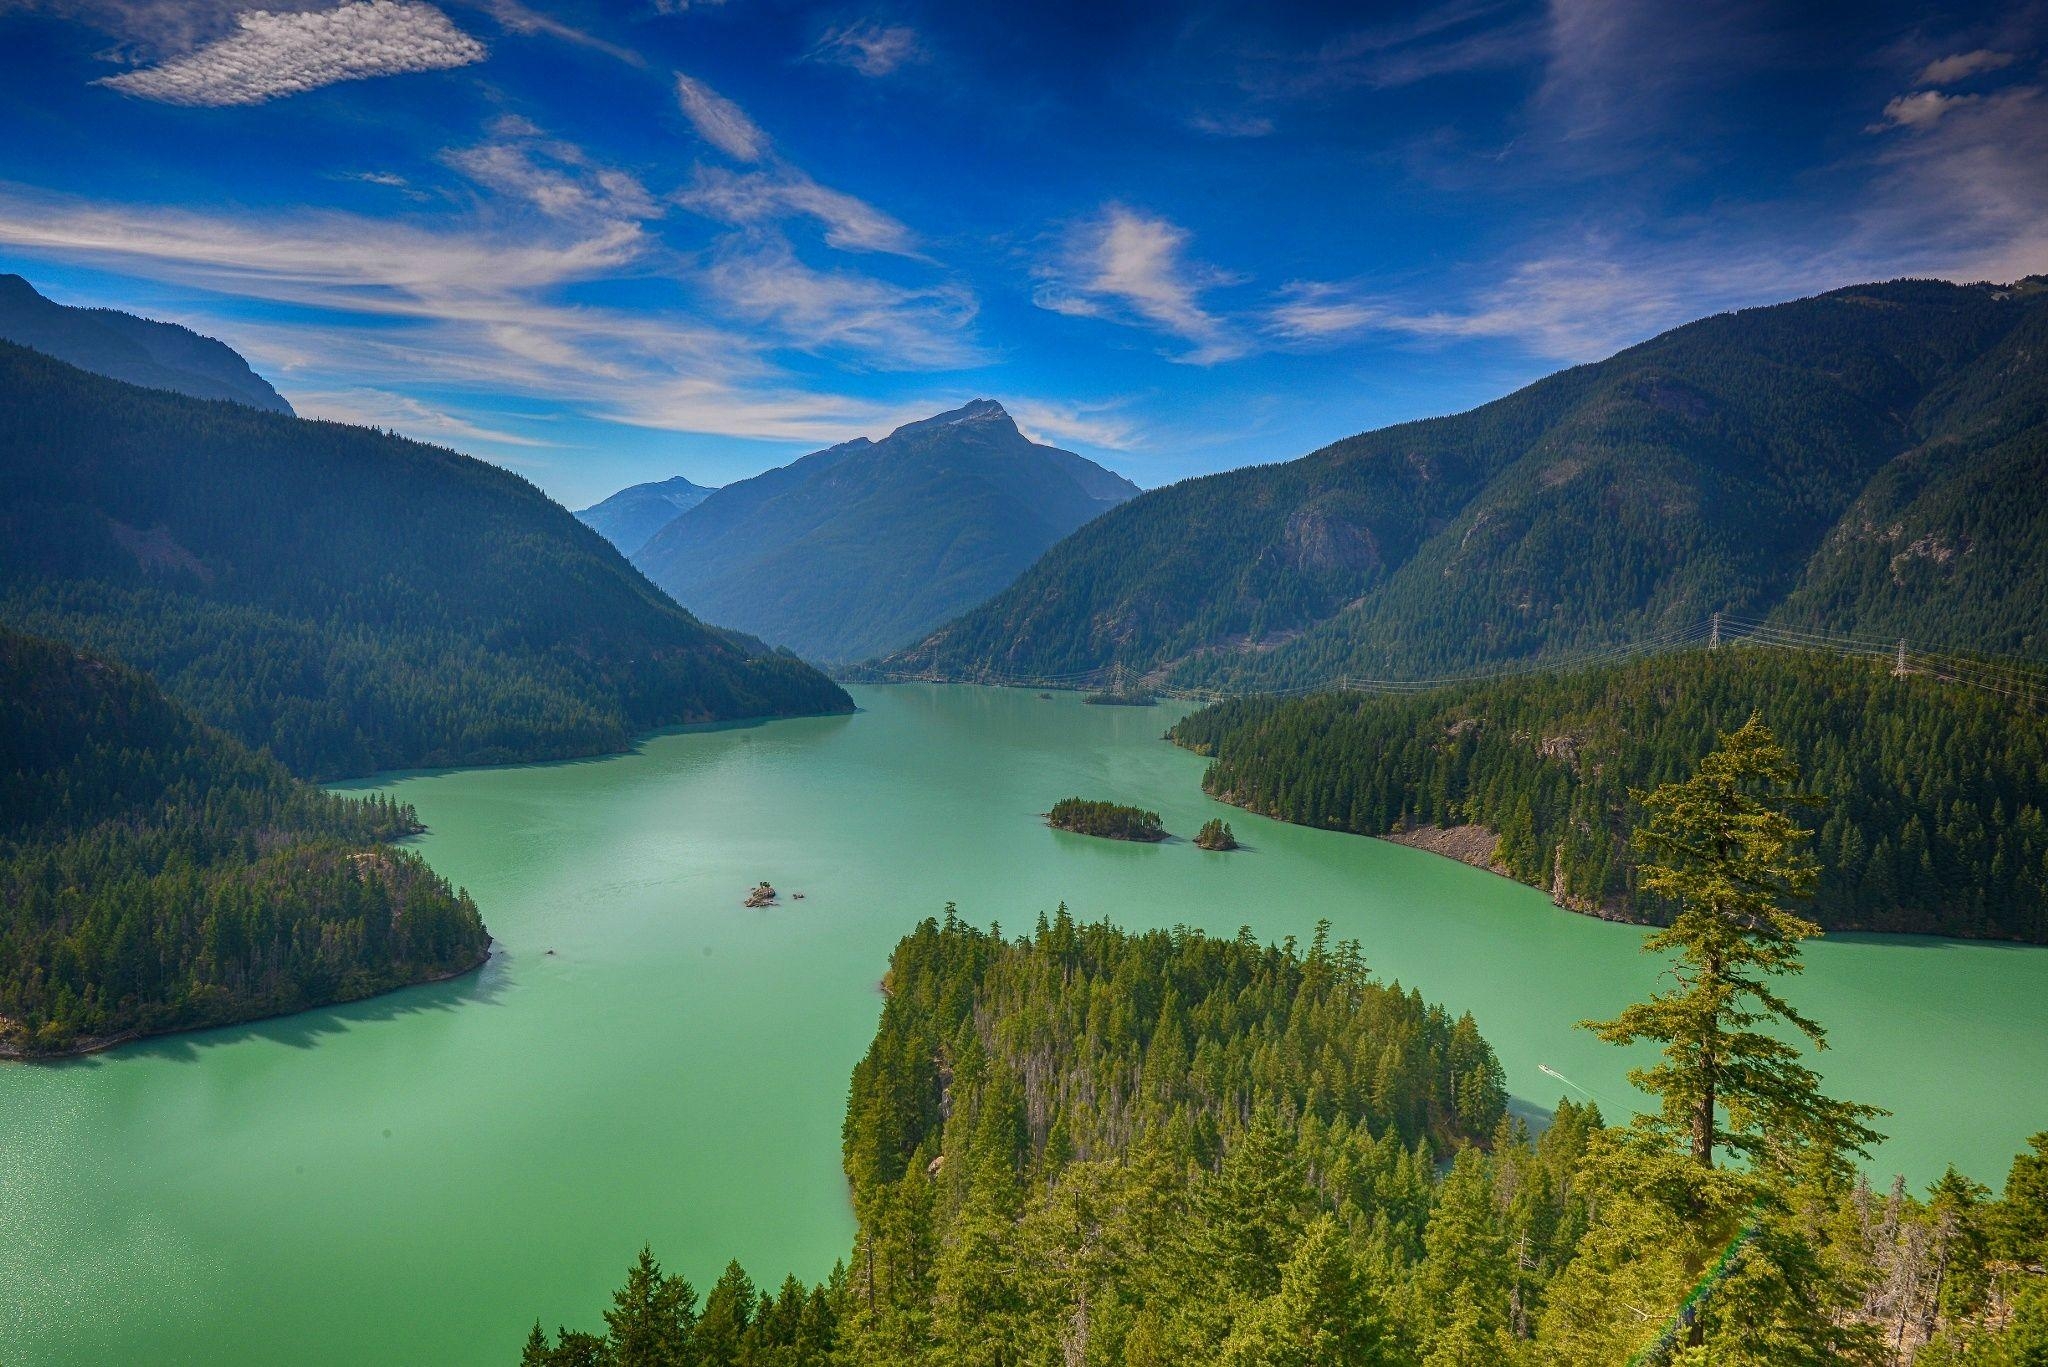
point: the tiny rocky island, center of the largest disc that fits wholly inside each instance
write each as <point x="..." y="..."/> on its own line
<point x="763" y="895"/>
<point x="1216" y="835"/>
<point x="1109" y="820"/>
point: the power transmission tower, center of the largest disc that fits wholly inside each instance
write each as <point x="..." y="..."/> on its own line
<point x="1714" y="640"/>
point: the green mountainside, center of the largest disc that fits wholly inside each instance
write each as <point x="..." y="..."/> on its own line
<point x="140" y="351"/>
<point x="634" y="514"/>
<point x="1874" y="460"/>
<point x="1931" y="799"/>
<point x="351" y="600"/>
<point x="158" y="875"/>
<point x="864" y="546"/>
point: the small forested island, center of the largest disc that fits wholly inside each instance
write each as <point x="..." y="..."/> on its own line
<point x="1122" y="698"/>
<point x="1930" y="803"/>
<point x="1216" y="835"/>
<point x="1091" y="1145"/>
<point x="1110" y="820"/>
<point x="157" y="875"/>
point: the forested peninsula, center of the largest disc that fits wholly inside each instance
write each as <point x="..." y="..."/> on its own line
<point x="157" y="875"/>
<point x="1091" y="1146"/>
<point x="1927" y="798"/>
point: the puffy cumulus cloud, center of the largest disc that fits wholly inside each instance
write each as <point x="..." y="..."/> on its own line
<point x="1963" y="65"/>
<point x="757" y="197"/>
<point x="871" y="49"/>
<point x="1132" y="267"/>
<point x="719" y="121"/>
<point x="271" y="55"/>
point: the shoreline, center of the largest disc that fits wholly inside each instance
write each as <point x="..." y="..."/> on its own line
<point x="100" y="1044"/>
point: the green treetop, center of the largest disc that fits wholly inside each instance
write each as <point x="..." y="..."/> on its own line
<point x="1724" y="849"/>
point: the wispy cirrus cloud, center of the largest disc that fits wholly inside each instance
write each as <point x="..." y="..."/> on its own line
<point x="1131" y="267"/>
<point x="1961" y="66"/>
<point x="719" y="121"/>
<point x="272" y="55"/>
<point x="556" y="177"/>
<point x="891" y="326"/>
<point x="516" y="17"/>
<point x="757" y="197"/>
<point x="1105" y="425"/>
<point x="868" y="47"/>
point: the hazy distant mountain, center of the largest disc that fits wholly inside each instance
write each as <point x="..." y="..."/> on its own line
<point x="349" y="599"/>
<point x="138" y="350"/>
<point x="861" y="547"/>
<point x="632" y="515"/>
<point x="1872" y="461"/>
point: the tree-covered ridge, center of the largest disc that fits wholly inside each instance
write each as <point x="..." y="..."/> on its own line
<point x="158" y="875"/>
<point x="1931" y="800"/>
<point x="1095" y="1147"/>
<point x="1110" y="820"/>
<point x="1832" y="461"/>
<point x="348" y="599"/>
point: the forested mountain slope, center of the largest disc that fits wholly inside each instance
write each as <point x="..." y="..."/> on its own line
<point x="1870" y="459"/>
<point x="628" y="518"/>
<point x="157" y="875"/>
<point x="122" y="346"/>
<point x="861" y="547"/>
<point x="1931" y="799"/>
<point x="352" y="600"/>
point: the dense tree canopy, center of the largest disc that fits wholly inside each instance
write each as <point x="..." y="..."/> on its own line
<point x="347" y="599"/>
<point x="1930" y="799"/>
<point x="157" y="875"/>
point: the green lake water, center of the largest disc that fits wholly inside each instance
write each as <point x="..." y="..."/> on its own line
<point x="417" y="1178"/>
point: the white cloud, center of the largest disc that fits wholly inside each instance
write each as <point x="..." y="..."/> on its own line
<point x="270" y="55"/>
<point x="1921" y="109"/>
<point x="1098" y="424"/>
<point x="719" y="121"/>
<point x="515" y="17"/>
<point x="893" y="326"/>
<point x="871" y="49"/>
<point x="755" y="197"/>
<point x="1963" y="65"/>
<point x="558" y="178"/>
<point x="400" y="412"/>
<point x="1314" y="311"/>
<point x="1129" y="266"/>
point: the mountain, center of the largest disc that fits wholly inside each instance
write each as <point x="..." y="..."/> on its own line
<point x="628" y="518"/>
<point x="158" y="875"/>
<point x="1929" y="819"/>
<point x="138" y="350"/>
<point x="860" y="548"/>
<point x="350" y="600"/>
<point x="1873" y="460"/>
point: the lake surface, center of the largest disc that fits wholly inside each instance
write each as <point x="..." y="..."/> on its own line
<point x="416" y="1179"/>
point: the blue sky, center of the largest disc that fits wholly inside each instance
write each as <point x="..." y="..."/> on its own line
<point x="600" y="243"/>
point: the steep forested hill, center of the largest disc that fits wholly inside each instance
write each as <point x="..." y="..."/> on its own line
<point x="1873" y="459"/>
<point x="157" y="875"/>
<point x="352" y="600"/>
<point x="138" y="350"/>
<point x="861" y="547"/>
<point x="1931" y="798"/>
<point x="628" y="518"/>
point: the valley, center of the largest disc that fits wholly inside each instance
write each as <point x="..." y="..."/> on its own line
<point x="644" y="1061"/>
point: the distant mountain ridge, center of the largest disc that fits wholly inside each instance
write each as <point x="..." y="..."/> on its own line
<point x="633" y="514"/>
<point x="139" y="351"/>
<point x="864" y="545"/>
<point x="349" y="599"/>
<point x="1873" y="460"/>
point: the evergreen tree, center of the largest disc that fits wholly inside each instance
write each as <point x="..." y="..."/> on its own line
<point x="652" y="1318"/>
<point x="1724" y="849"/>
